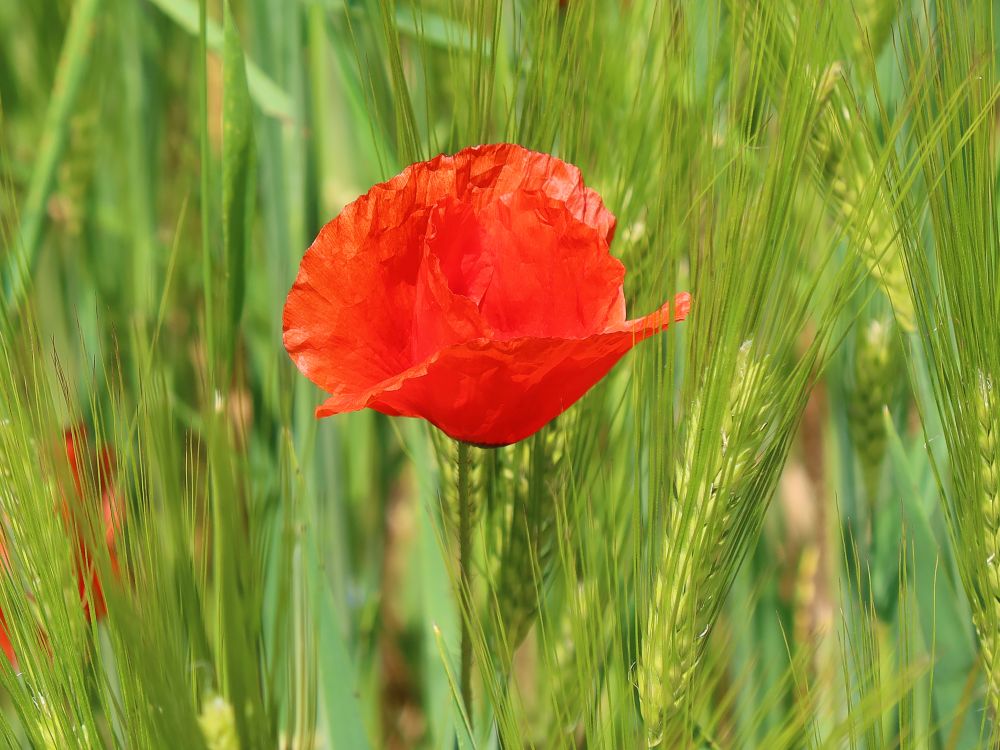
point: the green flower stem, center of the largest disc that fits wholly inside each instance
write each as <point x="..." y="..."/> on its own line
<point x="464" y="562"/>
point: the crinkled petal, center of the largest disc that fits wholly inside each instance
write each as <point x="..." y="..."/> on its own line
<point x="656" y="321"/>
<point x="492" y="392"/>
<point x="553" y="275"/>
<point x="442" y="317"/>
<point x="459" y="245"/>
<point x="351" y="314"/>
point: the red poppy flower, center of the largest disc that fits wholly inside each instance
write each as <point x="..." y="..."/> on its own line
<point x="100" y="470"/>
<point x="5" y="644"/>
<point x="100" y="474"/>
<point x="476" y="291"/>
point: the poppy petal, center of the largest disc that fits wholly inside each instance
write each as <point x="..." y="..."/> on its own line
<point x="351" y="311"/>
<point x="477" y="291"/>
<point x="656" y="321"/>
<point x="445" y="310"/>
<point x="554" y="276"/>
<point x="459" y="246"/>
<point x="496" y="392"/>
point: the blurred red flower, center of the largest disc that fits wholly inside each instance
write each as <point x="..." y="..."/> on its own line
<point x="5" y="643"/>
<point x="476" y="291"/>
<point x="93" y="474"/>
<point x="100" y="473"/>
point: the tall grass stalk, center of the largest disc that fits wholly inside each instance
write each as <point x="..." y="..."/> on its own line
<point x="954" y="147"/>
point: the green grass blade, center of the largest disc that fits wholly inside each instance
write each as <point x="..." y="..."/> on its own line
<point x="270" y="97"/>
<point x="239" y="178"/>
<point x="20" y="258"/>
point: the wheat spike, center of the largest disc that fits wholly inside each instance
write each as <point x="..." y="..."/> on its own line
<point x="699" y="538"/>
<point x="528" y="477"/>
<point x="987" y="618"/>
<point x="874" y="385"/>
<point x="845" y="164"/>
<point x="875" y="19"/>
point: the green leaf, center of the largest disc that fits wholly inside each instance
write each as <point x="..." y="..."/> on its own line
<point x="268" y="95"/>
<point x="337" y="671"/>
<point x="74" y="61"/>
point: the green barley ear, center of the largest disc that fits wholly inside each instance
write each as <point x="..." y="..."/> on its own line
<point x="847" y="174"/>
<point x="844" y="168"/>
<point x="218" y="725"/>
<point x="953" y="261"/>
<point x="873" y="24"/>
<point x="527" y="477"/>
<point x="701" y="547"/>
<point x="987" y="616"/>
<point x="874" y="385"/>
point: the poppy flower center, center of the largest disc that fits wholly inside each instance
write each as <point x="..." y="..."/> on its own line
<point x="463" y="247"/>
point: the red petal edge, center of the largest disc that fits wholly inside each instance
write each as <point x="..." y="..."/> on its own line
<point x="495" y="393"/>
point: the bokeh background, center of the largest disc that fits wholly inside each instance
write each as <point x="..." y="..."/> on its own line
<point x="772" y="526"/>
